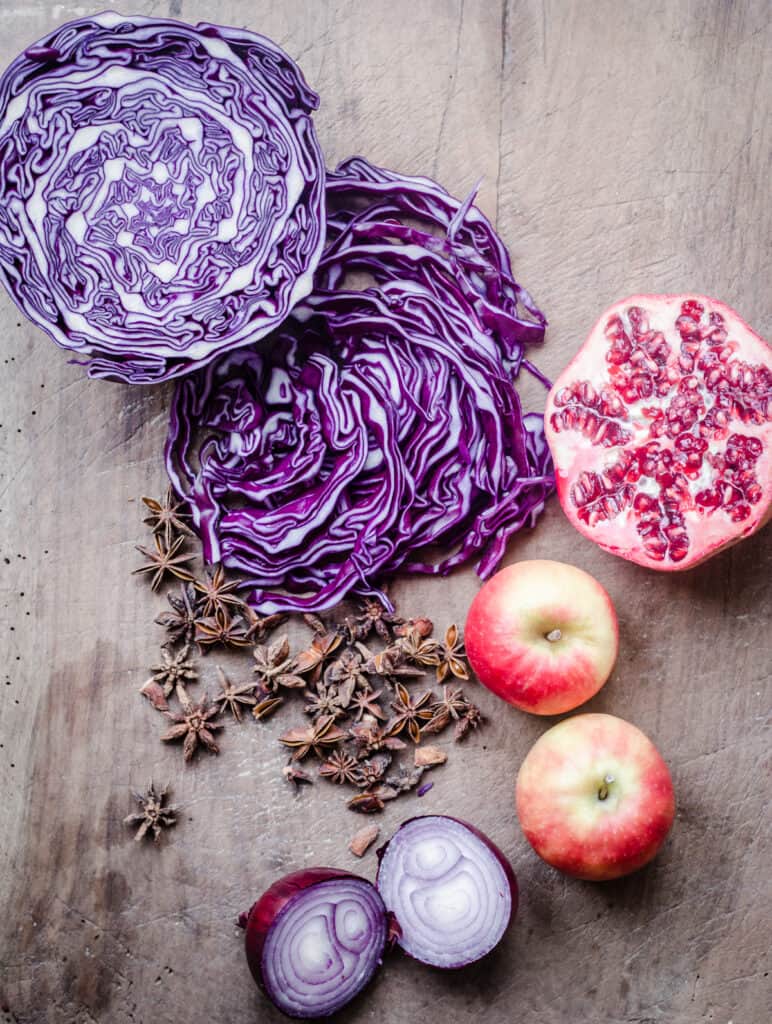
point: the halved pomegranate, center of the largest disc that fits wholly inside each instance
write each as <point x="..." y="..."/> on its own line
<point x="661" y="429"/>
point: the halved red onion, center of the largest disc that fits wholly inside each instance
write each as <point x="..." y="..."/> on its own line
<point x="314" y="940"/>
<point x="450" y="888"/>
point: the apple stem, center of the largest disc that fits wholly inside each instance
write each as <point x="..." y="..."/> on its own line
<point x="553" y="635"/>
<point x="603" y="791"/>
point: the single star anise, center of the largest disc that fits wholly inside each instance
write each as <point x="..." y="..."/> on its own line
<point x="325" y="701"/>
<point x="409" y="713"/>
<point x="155" y="816"/>
<point x="420" y="650"/>
<point x="453" y="703"/>
<point x="165" y="516"/>
<point x="165" y="558"/>
<point x="471" y="720"/>
<point x="389" y="663"/>
<point x="217" y="591"/>
<point x="194" y="725"/>
<point x="305" y="739"/>
<point x="274" y="667"/>
<point x="365" y="702"/>
<point x="451" y="652"/>
<point x="259" y="626"/>
<point x="311" y="660"/>
<point x="175" y="671"/>
<point x="372" y="771"/>
<point x="374" y="616"/>
<point x="180" y="623"/>
<point x="346" y="672"/>
<point x="367" y="738"/>
<point x="340" y="767"/>
<point x="220" y="628"/>
<point x="233" y="697"/>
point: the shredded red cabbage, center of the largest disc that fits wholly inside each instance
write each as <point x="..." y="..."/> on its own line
<point x="161" y="191"/>
<point x="377" y="422"/>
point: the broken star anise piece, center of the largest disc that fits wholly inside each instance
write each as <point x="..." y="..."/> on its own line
<point x="325" y="701"/>
<point x="220" y="628"/>
<point x="217" y="592"/>
<point x="274" y="667"/>
<point x="175" y="671"/>
<point x="374" y="616"/>
<point x="194" y="725"/>
<point x="267" y="703"/>
<point x="340" y="767"/>
<point x="409" y="713"/>
<point x="233" y="697"/>
<point x="305" y="739"/>
<point x="451" y="652"/>
<point x="180" y="623"/>
<point x="259" y="626"/>
<point x="155" y="816"/>
<point x="165" y="558"/>
<point x="422" y="626"/>
<point x="366" y="803"/>
<point x="471" y="720"/>
<point x="165" y="516"/>
<point x="365" y="702"/>
<point x="296" y="776"/>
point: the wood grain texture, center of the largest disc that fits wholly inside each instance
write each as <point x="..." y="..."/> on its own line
<point x="623" y="147"/>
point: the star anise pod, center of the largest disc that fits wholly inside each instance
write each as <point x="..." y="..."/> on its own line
<point x="451" y="652"/>
<point x="165" y="516"/>
<point x="367" y="738"/>
<point x="316" y="623"/>
<point x="232" y="697"/>
<point x="217" y="591"/>
<point x="374" y="616"/>
<point x="409" y="713"/>
<point x="274" y="667"/>
<point x="174" y="672"/>
<point x="370" y="772"/>
<point x="453" y="703"/>
<point x="180" y="623"/>
<point x="365" y="702"/>
<point x="267" y="703"/>
<point x="366" y="803"/>
<point x="305" y="739"/>
<point x="419" y="650"/>
<point x="296" y="775"/>
<point x="311" y="660"/>
<point x="165" y="558"/>
<point x="340" y="767"/>
<point x="155" y="816"/>
<point x="194" y="725"/>
<point x="220" y="628"/>
<point x="325" y="701"/>
<point x="259" y="626"/>
<point x="471" y="720"/>
<point x="405" y="779"/>
<point x="346" y="671"/>
<point x="389" y="663"/>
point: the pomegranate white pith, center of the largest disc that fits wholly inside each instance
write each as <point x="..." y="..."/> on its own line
<point x="661" y="430"/>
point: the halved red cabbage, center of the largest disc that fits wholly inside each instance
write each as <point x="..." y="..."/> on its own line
<point x="373" y="423"/>
<point x="161" y="191"/>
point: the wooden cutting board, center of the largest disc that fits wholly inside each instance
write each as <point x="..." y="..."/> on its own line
<point x="622" y="147"/>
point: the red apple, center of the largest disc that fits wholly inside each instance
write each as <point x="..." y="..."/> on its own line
<point x="543" y="635"/>
<point x="594" y="797"/>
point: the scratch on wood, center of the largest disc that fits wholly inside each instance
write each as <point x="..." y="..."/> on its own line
<point x="451" y="90"/>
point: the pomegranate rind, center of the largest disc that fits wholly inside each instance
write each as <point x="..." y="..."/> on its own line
<point x="709" y="530"/>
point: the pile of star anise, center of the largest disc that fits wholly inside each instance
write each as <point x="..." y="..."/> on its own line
<point x="362" y="706"/>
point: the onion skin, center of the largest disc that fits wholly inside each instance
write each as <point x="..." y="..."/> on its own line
<point x="494" y="849"/>
<point x="263" y="914"/>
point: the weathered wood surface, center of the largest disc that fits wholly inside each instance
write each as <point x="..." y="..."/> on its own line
<point x="623" y="147"/>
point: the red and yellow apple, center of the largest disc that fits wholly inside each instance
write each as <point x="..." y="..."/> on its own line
<point x="543" y="635"/>
<point x="594" y="797"/>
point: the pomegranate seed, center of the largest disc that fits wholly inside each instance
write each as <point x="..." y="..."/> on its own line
<point x="692" y="309"/>
<point x="740" y="512"/>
